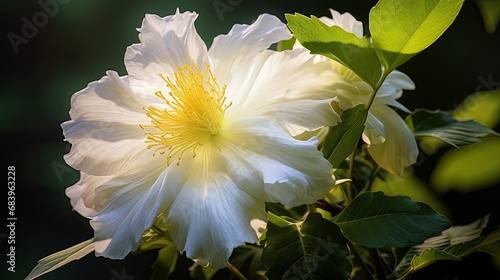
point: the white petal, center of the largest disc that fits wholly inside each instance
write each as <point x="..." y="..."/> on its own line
<point x="133" y="202"/>
<point x="400" y="80"/>
<point x="346" y="21"/>
<point x="294" y="171"/>
<point x="374" y="132"/>
<point x="230" y="54"/>
<point x="211" y="216"/>
<point x="290" y="87"/>
<point x="82" y="194"/>
<point x="104" y="131"/>
<point x="110" y="98"/>
<point x="400" y="148"/>
<point x="103" y="151"/>
<point x="166" y="44"/>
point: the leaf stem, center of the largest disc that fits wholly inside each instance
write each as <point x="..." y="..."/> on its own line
<point x="353" y="155"/>
<point x="374" y="92"/>
<point x="236" y="271"/>
<point x="350" y="190"/>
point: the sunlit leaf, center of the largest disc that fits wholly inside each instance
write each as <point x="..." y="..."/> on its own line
<point x="312" y="249"/>
<point x="411" y="186"/>
<point x="400" y="29"/>
<point x="468" y="168"/>
<point x="482" y="107"/>
<point x="286" y="44"/>
<point x="375" y="221"/>
<point x="56" y="260"/>
<point x="342" y="138"/>
<point x="338" y="44"/>
<point x="445" y="127"/>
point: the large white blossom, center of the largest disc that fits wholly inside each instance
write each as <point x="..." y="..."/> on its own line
<point x="199" y="136"/>
<point x="390" y="142"/>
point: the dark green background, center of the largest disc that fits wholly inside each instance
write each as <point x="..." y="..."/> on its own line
<point x="86" y="38"/>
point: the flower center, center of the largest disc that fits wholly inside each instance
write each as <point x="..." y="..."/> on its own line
<point x="194" y="112"/>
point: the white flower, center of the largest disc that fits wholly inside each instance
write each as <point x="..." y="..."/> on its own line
<point x="390" y="143"/>
<point x="198" y="135"/>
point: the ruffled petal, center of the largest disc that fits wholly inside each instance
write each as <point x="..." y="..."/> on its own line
<point x="103" y="151"/>
<point x="400" y="80"/>
<point x="230" y="55"/>
<point x="294" y="172"/>
<point x="82" y="194"/>
<point x="211" y="216"/>
<point x="292" y="88"/>
<point x="400" y="148"/>
<point x="104" y="131"/>
<point x="131" y="203"/>
<point x="166" y="44"/>
<point x="392" y="89"/>
<point x="346" y="21"/>
<point x="110" y="98"/>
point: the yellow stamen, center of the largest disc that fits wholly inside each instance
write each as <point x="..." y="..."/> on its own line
<point x="194" y="112"/>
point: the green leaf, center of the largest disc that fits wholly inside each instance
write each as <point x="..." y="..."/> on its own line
<point x="490" y="10"/>
<point x="469" y="168"/>
<point x="488" y="244"/>
<point x="445" y="127"/>
<point x="56" y="260"/>
<point x="430" y="256"/>
<point x="412" y="186"/>
<point x="312" y="249"/>
<point x="338" y="44"/>
<point x="286" y="44"/>
<point x="482" y="106"/>
<point x="376" y="221"/>
<point x="247" y="260"/>
<point x="342" y="138"/>
<point x="451" y="236"/>
<point x="165" y="263"/>
<point x="402" y="28"/>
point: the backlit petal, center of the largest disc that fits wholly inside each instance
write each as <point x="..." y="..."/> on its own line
<point x="400" y="148"/>
<point x="166" y="44"/>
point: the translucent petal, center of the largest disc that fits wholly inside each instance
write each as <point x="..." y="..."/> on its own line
<point x="132" y="203"/>
<point x="231" y="54"/>
<point x="294" y="171"/>
<point x="166" y="44"/>
<point x="211" y="216"/>
<point x="291" y="87"/>
<point x="346" y="21"/>
<point x="104" y="131"/>
<point x="400" y="148"/>
<point x="82" y="194"/>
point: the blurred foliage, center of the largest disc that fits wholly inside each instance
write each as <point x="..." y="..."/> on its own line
<point x="86" y="38"/>
<point x="490" y="9"/>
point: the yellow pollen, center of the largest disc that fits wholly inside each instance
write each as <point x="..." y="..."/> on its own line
<point x="194" y="112"/>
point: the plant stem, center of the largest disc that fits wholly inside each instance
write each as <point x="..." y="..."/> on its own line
<point x="355" y="252"/>
<point x="236" y="271"/>
<point x="350" y="190"/>
<point x="377" y="263"/>
<point x="374" y="92"/>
